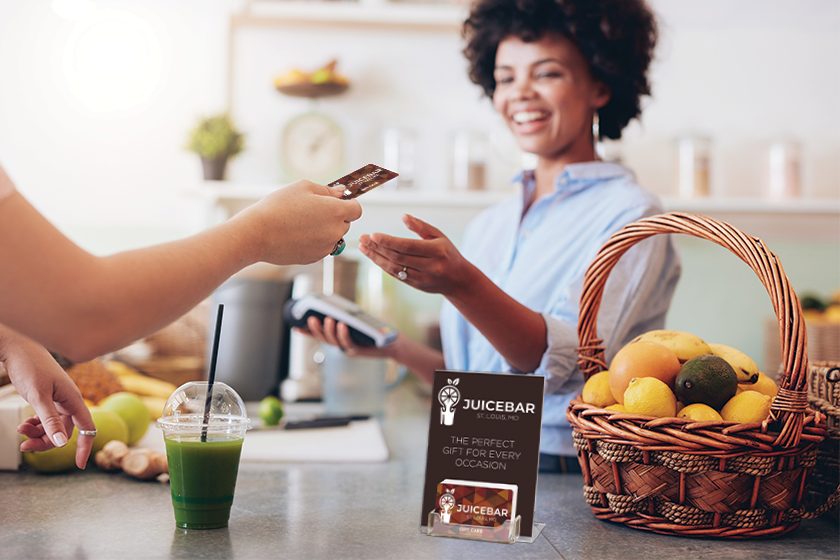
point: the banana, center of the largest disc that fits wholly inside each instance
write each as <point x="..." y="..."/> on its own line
<point x="744" y="366"/>
<point x="140" y="384"/>
<point x="684" y="345"/>
<point x="292" y="77"/>
<point x="155" y="406"/>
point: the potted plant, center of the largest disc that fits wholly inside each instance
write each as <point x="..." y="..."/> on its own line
<point x="215" y="139"/>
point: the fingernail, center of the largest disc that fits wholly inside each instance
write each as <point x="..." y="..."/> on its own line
<point x="60" y="440"/>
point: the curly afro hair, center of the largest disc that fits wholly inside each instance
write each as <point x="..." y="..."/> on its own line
<point x="617" y="37"/>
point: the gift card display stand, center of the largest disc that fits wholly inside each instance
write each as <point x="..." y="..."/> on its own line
<point x="483" y="456"/>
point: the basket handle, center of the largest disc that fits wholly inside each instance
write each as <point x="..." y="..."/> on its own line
<point x="791" y="402"/>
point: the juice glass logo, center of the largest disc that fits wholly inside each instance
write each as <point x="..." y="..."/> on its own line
<point x="448" y="398"/>
<point x="446" y="504"/>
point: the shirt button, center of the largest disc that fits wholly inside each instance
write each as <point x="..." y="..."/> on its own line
<point x="526" y="233"/>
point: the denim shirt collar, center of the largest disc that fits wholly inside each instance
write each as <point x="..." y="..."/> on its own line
<point x="574" y="177"/>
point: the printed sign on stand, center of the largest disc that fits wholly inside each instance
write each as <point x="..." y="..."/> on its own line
<point x="483" y="456"/>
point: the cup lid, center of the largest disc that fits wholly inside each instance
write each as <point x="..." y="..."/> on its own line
<point x="184" y="411"/>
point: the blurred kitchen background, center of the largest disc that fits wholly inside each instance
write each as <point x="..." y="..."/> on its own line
<point x="97" y="99"/>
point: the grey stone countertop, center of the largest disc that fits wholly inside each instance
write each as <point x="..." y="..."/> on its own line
<point x="298" y="510"/>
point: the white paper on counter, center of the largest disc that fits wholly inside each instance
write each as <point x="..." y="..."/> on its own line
<point x="358" y="442"/>
<point x="13" y="411"/>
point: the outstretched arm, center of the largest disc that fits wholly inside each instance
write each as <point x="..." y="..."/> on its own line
<point x="434" y="265"/>
<point x="82" y="306"/>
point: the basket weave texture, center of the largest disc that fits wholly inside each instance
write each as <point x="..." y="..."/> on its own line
<point x="824" y="396"/>
<point x="679" y="476"/>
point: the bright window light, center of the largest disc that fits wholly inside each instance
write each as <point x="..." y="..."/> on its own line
<point x="75" y="10"/>
<point x="112" y="61"/>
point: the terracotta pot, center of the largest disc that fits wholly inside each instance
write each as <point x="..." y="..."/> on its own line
<point x="214" y="169"/>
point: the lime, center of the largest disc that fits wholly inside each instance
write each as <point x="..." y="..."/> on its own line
<point x="270" y="410"/>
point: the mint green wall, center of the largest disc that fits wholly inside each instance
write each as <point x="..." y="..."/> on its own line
<point x="720" y="299"/>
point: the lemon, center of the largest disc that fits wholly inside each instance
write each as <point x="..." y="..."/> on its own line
<point x="56" y="459"/>
<point x="764" y="385"/>
<point x="132" y="410"/>
<point x="597" y="391"/>
<point x="617" y="407"/>
<point x="649" y="396"/>
<point x="270" y="410"/>
<point x="746" y="407"/>
<point x="109" y="426"/>
<point x="700" y="412"/>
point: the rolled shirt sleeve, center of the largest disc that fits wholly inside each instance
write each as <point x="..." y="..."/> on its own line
<point x="541" y="259"/>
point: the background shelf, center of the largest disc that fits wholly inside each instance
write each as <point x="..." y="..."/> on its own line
<point x="799" y="219"/>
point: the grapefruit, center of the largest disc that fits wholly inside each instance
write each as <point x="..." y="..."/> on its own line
<point x="641" y="359"/>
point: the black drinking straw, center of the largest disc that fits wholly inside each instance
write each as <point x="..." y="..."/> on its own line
<point x="212" y="376"/>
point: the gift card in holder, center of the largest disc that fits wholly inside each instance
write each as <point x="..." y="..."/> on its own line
<point x="475" y="510"/>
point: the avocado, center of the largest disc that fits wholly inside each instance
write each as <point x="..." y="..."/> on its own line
<point x="706" y="379"/>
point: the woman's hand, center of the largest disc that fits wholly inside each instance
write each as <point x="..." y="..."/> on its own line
<point x="431" y="264"/>
<point x="338" y="334"/>
<point x="57" y="401"/>
<point x="299" y="223"/>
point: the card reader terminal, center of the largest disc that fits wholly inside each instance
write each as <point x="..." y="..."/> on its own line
<point x="365" y="330"/>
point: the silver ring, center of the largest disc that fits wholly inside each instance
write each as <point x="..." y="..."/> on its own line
<point x="91" y="433"/>
<point x="339" y="247"/>
<point x="403" y="274"/>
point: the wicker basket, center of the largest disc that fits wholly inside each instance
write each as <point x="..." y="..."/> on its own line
<point x="681" y="477"/>
<point x="824" y="396"/>
<point x="823" y="344"/>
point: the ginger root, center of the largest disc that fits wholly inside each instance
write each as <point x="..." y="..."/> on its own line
<point x="110" y="457"/>
<point x="141" y="463"/>
<point x="145" y="464"/>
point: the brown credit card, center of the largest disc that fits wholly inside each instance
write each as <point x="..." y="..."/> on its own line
<point x="363" y="180"/>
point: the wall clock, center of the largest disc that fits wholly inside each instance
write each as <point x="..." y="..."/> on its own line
<point x="313" y="148"/>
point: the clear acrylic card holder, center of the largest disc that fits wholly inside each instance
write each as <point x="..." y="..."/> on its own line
<point x="506" y="533"/>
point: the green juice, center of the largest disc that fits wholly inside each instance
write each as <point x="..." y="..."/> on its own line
<point x="203" y="476"/>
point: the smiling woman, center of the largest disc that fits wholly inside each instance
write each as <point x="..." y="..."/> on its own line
<point x="112" y="61"/>
<point x="512" y="291"/>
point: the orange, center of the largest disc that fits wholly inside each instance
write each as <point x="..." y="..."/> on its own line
<point x="642" y="359"/>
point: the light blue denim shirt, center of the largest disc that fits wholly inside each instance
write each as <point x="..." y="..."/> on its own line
<point x="540" y="259"/>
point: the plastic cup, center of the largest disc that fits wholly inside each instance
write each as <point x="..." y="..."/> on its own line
<point x="203" y="457"/>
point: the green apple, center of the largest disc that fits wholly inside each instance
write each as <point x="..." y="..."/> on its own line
<point x="109" y="426"/>
<point x="132" y="410"/>
<point x="54" y="460"/>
